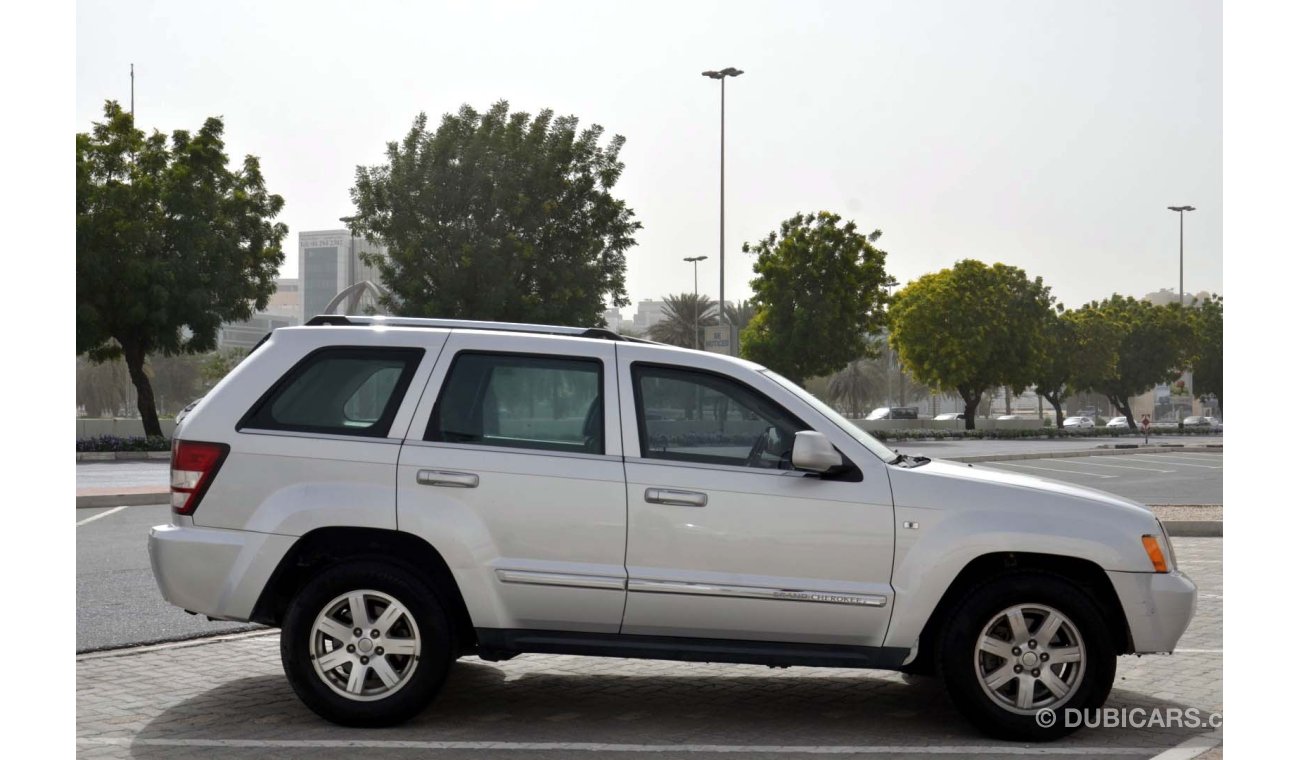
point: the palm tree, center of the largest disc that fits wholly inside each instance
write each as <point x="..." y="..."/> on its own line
<point x="858" y="385"/>
<point x="683" y="316"/>
<point x="739" y="314"/>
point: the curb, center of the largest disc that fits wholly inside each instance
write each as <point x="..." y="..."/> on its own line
<point x="1099" y="452"/>
<point x="118" y="456"/>
<point x="1194" y="528"/>
<point x="133" y="499"/>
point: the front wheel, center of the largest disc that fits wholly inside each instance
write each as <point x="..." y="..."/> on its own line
<point x="1020" y="651"/>
<point x="365" y="644"/>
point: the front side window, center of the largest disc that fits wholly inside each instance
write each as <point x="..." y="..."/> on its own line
<point x="344" y="391"/>
<point x="521" y="401"/>
<point x="692" y="416"/>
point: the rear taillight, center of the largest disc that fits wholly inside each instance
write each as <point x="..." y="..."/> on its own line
<point x="194" y="465"/>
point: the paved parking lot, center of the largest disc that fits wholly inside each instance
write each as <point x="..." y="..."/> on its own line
<point x="228" y="698"/>
<point x="1190" y="477"/>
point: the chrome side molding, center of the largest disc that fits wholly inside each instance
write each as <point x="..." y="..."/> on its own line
<point x="570" y="580"/>
<point x="756" y="592"/>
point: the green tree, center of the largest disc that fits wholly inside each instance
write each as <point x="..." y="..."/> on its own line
<point x="1151" y="345"/>
<point x="818" y="293"/>
<point x="498" y="216"/>
<point x="1207" y="362"/>
<point x="218" y="364"/>
<point x="970" y="328"/>
<point x="1074" y="346"/>
<point x="683" y="314"/>
<point x="171" y="243"/>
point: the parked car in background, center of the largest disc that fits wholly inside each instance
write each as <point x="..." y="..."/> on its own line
<point x="1207" y="423"/>
<point x="950" y="416"/>
<point x="1079" y="422"/>
<point x="1117" y="422"/>
<point x="1008" y="417"/>
<point x="893" y="413"/>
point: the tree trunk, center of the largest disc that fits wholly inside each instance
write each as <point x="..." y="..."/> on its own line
<point x="1006" y="389"/>
<point x="1055" y="400"/>
<point x="144" y="400"/>
<point x="972" y="408"/>
<point x="1122" y="405"/>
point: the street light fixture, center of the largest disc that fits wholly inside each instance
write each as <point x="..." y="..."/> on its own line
<point x="1180" y="210"/>
<point x="695" y="264"/>
<point x="721" y="76"/>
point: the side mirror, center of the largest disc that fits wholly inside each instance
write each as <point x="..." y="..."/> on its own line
<point x="812" y="452"/>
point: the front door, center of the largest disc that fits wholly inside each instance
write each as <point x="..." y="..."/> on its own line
<point x="725" y="539"/>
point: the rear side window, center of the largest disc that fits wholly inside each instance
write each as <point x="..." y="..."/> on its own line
<point x="342" y="391"/>
<point x="521" y="401"/>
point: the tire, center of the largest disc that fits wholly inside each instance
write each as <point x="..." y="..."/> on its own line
<point x="367" y="685"/>
<point x="1080" y="656"/>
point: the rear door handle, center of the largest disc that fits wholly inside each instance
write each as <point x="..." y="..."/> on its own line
<point x="446" y="478"/>
<point x="676" y="498"/>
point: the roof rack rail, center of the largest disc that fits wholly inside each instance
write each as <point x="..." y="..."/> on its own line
<point x="343" y="320"/>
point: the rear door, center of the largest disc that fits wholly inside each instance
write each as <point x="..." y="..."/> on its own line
<point x="512" y="469"/>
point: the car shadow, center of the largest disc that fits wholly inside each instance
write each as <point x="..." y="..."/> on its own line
<point x="738" y="705"/>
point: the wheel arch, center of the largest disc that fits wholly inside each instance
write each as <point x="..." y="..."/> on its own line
<point x="1084" y="574"/>
<point x="327" y="547"/>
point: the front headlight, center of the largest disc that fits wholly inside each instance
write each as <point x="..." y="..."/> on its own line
<point x="1169" y="545"/>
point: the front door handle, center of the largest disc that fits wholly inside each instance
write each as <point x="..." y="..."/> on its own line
<point x="446" y="478"/>
<point x="676" y="498"/>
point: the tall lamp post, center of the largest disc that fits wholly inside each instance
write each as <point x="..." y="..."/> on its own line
<point x="695" y="264"/>
<point x="721" y="76"/>
<point x="1180" y="210"/>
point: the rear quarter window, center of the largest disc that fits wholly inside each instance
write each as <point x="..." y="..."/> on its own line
<point x="339" y="391"/>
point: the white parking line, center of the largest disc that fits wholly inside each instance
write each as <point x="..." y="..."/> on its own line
<point x="1193" y="747"/>
<point x="1053" y="469"/>
<point x="1122" y="466"/>
<point x="285" y="744"/>
<point x="1181" y="464"/>
<point x="93" y="518"/>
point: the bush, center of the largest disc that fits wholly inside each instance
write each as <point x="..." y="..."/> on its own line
<point x="124" y="443"/>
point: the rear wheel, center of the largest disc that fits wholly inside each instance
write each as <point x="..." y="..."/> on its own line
<point x="366" y="644"/>
<point x="1020" y="651"/>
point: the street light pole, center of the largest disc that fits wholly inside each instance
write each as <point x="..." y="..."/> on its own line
<point x="1180" y="210"/>
<point x="695" y="264"/>
<point x="721" y="76"/>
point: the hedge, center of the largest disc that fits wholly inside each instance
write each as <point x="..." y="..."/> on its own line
<point x="912" y="435"/>
<point x="124" y="443"/>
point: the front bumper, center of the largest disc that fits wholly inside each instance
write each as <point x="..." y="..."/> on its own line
<point x="1159" y="607"/>
<point x="219" y="573"/>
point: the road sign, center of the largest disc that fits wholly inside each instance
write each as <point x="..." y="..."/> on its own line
<point x="717" y="338"/>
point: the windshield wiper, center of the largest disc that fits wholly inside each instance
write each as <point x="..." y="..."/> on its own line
<point x="907" y="460"/>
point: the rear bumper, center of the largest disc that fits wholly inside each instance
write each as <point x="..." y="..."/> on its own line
<point x="1159" y="607"/>
<point x="219" y="573"/>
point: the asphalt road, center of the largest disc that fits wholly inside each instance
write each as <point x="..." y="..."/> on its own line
<point x="1173" y="478"/>
<point x="118" y="603"/>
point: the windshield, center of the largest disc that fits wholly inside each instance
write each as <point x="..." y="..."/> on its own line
<point x="860" y="435"/>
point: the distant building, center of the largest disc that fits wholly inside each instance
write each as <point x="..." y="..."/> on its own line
<point x="329" y="262"/>
<point x="614" y="319"/>
<point x="283" y="309"/>
<point x="648" y="313"/>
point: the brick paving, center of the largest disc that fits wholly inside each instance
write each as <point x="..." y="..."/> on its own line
<point x="229" y="698"/>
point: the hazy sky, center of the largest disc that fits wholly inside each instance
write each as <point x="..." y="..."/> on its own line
<point x="1046" y="134"/>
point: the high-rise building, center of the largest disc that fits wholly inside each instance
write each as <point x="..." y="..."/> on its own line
<point x="329" y="261"/>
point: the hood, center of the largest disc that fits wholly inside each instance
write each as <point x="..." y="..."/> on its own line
<point x="944" y="477"/>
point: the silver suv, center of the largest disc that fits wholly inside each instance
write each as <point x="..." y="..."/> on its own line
<point x="397" y="493"/>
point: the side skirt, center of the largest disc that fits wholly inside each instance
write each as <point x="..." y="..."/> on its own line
<point x="496" y="644"/>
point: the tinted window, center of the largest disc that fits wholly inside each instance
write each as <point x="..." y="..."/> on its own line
<point x="348" y="391"/>
<point x="695" y="416"/>
<point x="532" y="402"/>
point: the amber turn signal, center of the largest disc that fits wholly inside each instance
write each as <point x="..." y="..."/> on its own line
<point x="1157" y="556"/>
